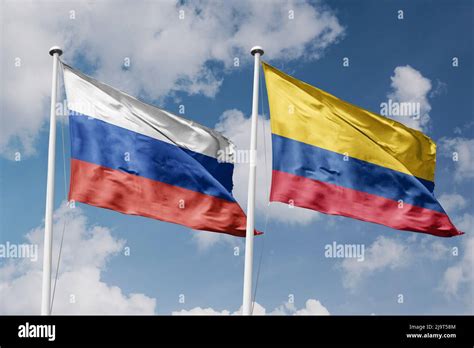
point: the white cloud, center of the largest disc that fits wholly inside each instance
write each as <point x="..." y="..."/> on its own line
<point x="452" y="202"/>
<point x="236" y="127"/>
<point x="433" y="249"/>
<point x="86" y="251"/>
<point x="389" y="254"/>
<point x="460" y="150"/>
<point x="460" y="276"/>
<point x="166" y="53"/>
<point x="26" y="71"/>
<point x="312" y="307"/>
<point x="256" y="310"/>
<point x="410" y="86"/>
<point x="205" y="240"/>
<point x="383" y="253"/>
<point x="200" y="311"/>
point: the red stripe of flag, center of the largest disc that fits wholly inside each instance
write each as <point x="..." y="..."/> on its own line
<point x="337" y="200"/>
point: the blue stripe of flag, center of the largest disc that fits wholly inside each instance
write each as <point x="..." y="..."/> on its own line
<point x="107" y="145"/>
<point x="312" y="162"/>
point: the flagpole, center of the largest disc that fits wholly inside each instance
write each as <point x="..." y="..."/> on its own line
<point x="257" y="52"/>
<point x="55" y="51"/>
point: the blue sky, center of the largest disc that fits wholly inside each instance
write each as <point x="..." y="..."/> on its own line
<point x="168" y="260"/>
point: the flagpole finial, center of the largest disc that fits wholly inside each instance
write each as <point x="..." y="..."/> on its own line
<point x="55" y="49"/>
<point x="256" y="49"/>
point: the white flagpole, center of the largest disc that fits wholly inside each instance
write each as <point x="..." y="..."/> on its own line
<point x="48" y="218"/>
<point x="257" y="52"/>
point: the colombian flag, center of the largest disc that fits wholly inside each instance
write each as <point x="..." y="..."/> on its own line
<point x="336" y="158"/>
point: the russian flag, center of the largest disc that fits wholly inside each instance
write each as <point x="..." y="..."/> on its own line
<point x="137" y="159"/>
<point x="339" y="159"/>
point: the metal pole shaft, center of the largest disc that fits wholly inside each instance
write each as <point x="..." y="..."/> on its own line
<point x="48" y="219"/>
<point x="248" y="268"/>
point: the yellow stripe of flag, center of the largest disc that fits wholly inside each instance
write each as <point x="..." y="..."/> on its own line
<point x="310" y="115"/>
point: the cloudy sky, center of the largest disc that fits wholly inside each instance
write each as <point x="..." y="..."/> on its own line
<point x="195" y="54"/>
